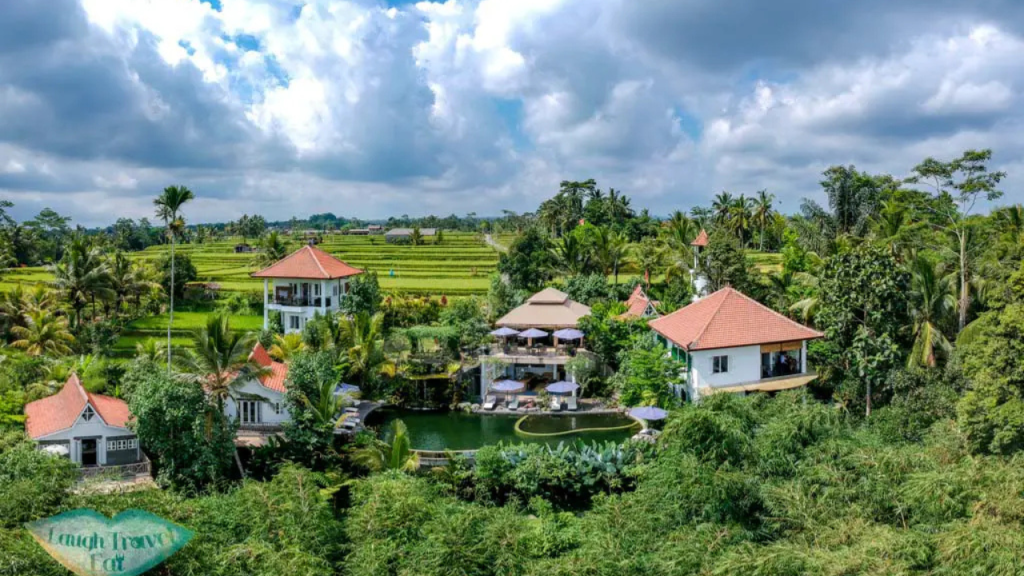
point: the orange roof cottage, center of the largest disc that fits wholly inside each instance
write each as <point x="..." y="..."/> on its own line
<point x="730" y="342"/>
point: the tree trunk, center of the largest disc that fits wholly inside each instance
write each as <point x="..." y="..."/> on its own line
<point x="868" y="400"/>
<point x="170" y="320"/>
<point x="238" y="461"/>
<point x="964" y="298"/>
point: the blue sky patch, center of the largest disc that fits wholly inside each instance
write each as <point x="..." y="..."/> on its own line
<point x="688" y="123"/>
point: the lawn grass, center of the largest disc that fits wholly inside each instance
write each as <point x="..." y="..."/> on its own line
<point x="184" y="321"/>
<point x="764" y="262"/>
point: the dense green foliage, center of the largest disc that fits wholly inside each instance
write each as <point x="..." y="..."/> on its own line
<point x="191" y="441"/>
<point x="903" y="458"/>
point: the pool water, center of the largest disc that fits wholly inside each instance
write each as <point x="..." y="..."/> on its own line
<point x="461" y="431"/>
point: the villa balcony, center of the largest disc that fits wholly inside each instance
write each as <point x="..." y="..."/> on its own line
<point x="301" y="301"/>
<point x="536" y="354"/>
<point x="266" y="427"/>
<point x="124" y="471"/>
<point x="771" y="384"/>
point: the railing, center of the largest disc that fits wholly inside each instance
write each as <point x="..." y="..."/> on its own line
<point x="440" y="457"/>
<point x="540" y="351"/>
<point x="260" y="426"/>
<point x="121" y="470"/>
<point x="299" y="301"/>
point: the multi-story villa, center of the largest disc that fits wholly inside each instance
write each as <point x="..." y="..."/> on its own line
<point x="729" y="342"/>
<point x="305" y="282"/>
<point x="535" y="358"/>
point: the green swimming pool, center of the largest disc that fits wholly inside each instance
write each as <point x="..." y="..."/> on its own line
<point x="460" y="431"/>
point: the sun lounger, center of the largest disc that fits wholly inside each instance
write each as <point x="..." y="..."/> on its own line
<point x="571" y="403"/>
<point x="513" y="404"/>
<point x="556" y="405"/>
<point x="489" y="403"/>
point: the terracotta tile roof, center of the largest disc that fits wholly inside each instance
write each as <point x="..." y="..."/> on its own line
<point x="60" y="411"/>
<point x="701" y="239"/>
<point x="727" y="319"/>
<point x="637" y="303"/>
<point x="308" y="262"/>
<point x="275" y="380"/>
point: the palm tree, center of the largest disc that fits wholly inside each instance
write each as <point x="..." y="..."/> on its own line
<point x="127" y="279"/>
<point x="220" y="359"/>
<point x="327" y="409"/>
<point x="12" y="309"/>
<point x="932" y="303"/>
<point x="286" y="345"/>
<point x="741" y="215"/>
<point x="363" y="336"/>
<point x="722" y="206"/>
<point x="82" y="275"/>
<point x="889" y="224"/>
<point x="168" y="204"/>
<point x="649" y="256"/>
<point x="570" y="256"/>
<point x="416" y="237"/>
<point x="763" y="213"/>
<point x="55" y="374"/>
<point x="608" y="248"/>
<point x="43" y="333"/>
<point x="150" y="350"/>
<point x="1011" y="220"/>
<point x="397" y="455"/>
<point x="779" y="286"/>
<point x="273" y="247"/>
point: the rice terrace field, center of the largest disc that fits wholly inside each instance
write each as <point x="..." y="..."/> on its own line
<point x="460" y="265"/>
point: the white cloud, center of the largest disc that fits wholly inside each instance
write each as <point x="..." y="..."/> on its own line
<point x="364" y="109"/>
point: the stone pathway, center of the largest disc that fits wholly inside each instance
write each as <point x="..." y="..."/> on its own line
<point x="494" y="243"/>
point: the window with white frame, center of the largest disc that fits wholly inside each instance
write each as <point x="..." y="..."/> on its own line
<point x="88" y="414"/>
<point x="293" y="322"/>
<point x="125" y="444"/>
<point x="249" y="412"/>
<point x="335" y="290"/>
<point x="316" y="289"/>
<point x="277" y="407"/>
<point x="719" y="364"/>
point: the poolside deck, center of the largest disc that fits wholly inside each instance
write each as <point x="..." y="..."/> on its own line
<point x="586" y="406"/>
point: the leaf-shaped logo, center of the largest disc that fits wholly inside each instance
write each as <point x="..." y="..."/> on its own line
<point x="90" y="544"/>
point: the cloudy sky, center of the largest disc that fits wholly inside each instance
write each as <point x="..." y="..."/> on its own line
<point x="370" y="108"/>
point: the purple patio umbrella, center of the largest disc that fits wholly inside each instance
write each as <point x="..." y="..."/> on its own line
<point x="648" y="413"/>
<point x="568" y="334"/>
<point x="562" y="387"/>
<point x="507" y="386"/>
<point x="531" y="334"/>
<point x="505" y="332"/>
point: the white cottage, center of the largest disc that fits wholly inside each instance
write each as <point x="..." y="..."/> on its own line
<point x="729" y="342"/>
<point x="90" y="429"/>
<point x="305" y="282"/>
<point x="259" y="404"/>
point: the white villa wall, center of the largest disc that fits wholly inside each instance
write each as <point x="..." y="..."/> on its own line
<point x="267" y="414"/>
<point x="744" y="367"/>
<point x="335" y="289"/>
<point x="91" y="429"/>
